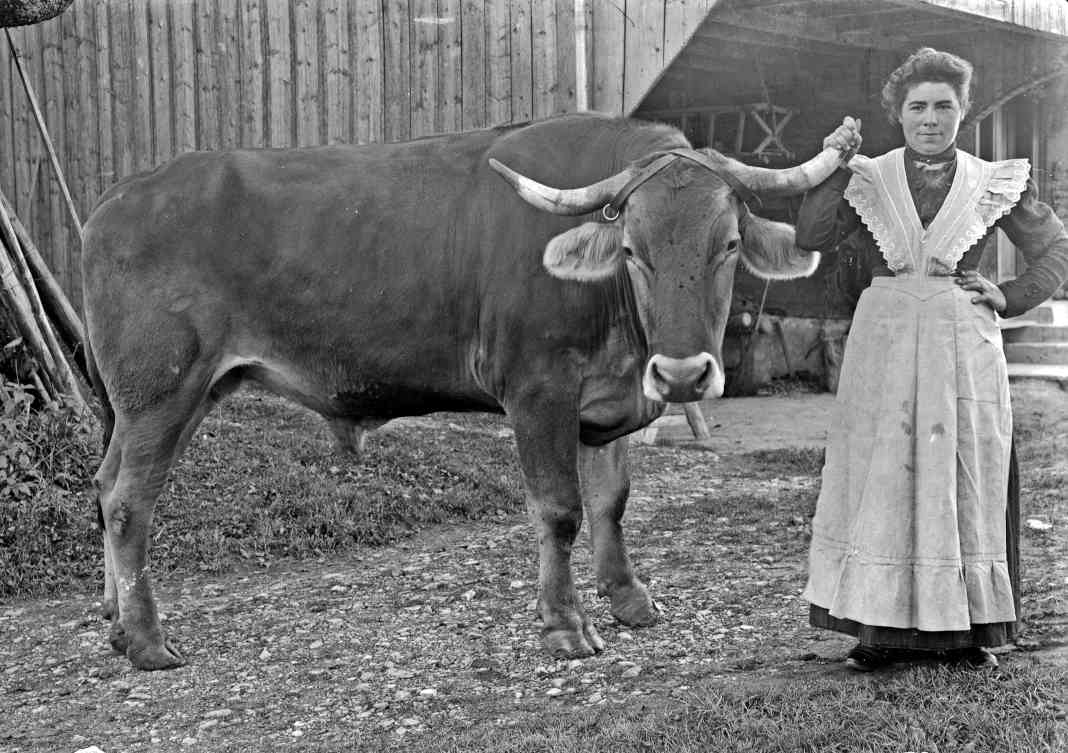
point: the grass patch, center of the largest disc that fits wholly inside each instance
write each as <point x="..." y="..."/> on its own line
<point x="788" y="461"/>
<point x="263" y="489"/>
<point x="259" y="482"/>
<point x="47" y="457"/>
<point x="938" y="709"/>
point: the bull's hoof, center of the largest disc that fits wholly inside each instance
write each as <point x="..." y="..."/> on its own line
<point x="573" y="644"/>
<point x="118" y="638"/>
<point x="633" y="606"/>
<point x="147" y="656"/>
<point x="109" y="610"/>
<point x="153" y="657"/>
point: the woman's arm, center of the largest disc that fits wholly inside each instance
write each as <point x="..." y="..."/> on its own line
<point x="1042" y="239"/>
<point x="825" y="217"/>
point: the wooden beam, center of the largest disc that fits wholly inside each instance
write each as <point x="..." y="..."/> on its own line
<point x="498" y="63"/>
<point x="336" y="76"/>
<point x="711" y="35"/>
<point x="609" y="55"/>
<point x="367" y="31"/>
<point x="582" y="85"/>
<point x="1012" y="92"/>
<point x="801" y="26"/>
<point x="856" y="12"/>
<point x="251" y="83"/>
<point x="1038" y="17"/>
<point x="473" y="64"/>
<point x="1006" y="251"/>
<point x="183" y="81"/>
<point x="397" y="70"/>
<point x="777" y="3"/>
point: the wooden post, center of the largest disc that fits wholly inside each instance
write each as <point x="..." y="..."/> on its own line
<point x="696" y="419"/>
<point x="582" y="100"/>
<point x="44" y="132"/>
<point x="1006" y="251"/>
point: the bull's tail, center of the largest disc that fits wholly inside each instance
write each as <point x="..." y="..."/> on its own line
<point x="106" y="413"/>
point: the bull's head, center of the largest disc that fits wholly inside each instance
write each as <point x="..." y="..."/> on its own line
<point x="679" y="222"/>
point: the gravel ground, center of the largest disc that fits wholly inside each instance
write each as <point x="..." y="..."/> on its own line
<point x="396" y="643"/>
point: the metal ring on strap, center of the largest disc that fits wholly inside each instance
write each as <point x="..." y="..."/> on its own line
<point x="609" y="212"/>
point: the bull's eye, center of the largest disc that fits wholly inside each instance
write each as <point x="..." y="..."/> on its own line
<point x="732" y="245"/>
<point x="628" y="252"/>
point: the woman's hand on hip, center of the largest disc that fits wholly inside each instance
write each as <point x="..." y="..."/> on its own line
<point x="989" y="293"/>
<point x="845" y="138"/>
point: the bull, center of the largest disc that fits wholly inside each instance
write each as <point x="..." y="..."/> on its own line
<point x="371" y="282"/>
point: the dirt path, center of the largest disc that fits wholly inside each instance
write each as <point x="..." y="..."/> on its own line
<point x="393" y="642"/>
<point x="749" y="424"/>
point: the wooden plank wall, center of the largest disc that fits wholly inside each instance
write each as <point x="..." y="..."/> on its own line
<point x="632" y="42"/>
<point x="1048" y="16"/>
<point x="127" y="84"/>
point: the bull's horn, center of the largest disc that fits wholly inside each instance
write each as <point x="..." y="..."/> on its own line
<point x="569" y="201"/>
<point x="790" y="180"/>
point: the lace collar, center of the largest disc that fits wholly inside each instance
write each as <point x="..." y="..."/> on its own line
<point x="981" y="193"/>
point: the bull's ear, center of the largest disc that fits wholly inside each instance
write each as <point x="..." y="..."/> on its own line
<point x="591" y="251"/>
<point x="770" y="252"/>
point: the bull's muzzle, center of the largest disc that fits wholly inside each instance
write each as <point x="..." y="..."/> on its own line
<point x="683" y="380"/>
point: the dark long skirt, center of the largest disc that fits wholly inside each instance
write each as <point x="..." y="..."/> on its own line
<point x="988" y="635"/>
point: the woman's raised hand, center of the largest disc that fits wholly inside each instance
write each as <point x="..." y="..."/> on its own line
<point x="845" y="138"/>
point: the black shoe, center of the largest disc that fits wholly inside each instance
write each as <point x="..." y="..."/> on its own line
<point x="978" y="657"/>
<point x="868" y="658"/>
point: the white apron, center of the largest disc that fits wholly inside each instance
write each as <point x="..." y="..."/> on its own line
<point x="909" y="530"/>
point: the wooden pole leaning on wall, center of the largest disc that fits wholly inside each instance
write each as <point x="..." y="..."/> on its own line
<point x="57" y="305"/>
<point x="18" y="302"/>
<point x="39" y="118"/>
<point x="31" y="315"/>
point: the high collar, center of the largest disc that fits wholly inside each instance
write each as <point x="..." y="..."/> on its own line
<point x="948" y="155"/>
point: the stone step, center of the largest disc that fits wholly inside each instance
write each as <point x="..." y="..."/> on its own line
<point x="1043" y="354"/>
<point x="1044" y="333"/>
<point x="1050" y="312"/>
<point x="1021" y="371"/>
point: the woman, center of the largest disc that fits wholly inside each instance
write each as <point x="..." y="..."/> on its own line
<point x="915" y="535"/>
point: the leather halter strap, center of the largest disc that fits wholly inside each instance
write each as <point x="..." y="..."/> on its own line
<point x="612" y="209"/>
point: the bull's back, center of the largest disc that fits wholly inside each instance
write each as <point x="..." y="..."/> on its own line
<point x="342" y="265"/>
<point x="385" y="270"/>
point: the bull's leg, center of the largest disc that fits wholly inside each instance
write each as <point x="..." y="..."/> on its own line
<point x="547" y="437"/>
<point x="126" y="501"/>
<point x="349" y="437"/>
<point x="350" y="434"/>
<point x="106" y="473"/>
<point x="133" y="473"/>
<point x="605" y="487"/>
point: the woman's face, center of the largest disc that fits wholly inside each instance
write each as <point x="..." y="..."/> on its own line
<point x="930" y="117"/>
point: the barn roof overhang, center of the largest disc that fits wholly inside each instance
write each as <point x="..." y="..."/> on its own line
<point x="735" y="31"/>
<point x="889" y="24"/>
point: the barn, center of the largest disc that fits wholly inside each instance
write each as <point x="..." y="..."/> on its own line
<point x="123" y="85"/>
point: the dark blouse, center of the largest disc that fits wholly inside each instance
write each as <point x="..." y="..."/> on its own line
<point x="826" y="220"/>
